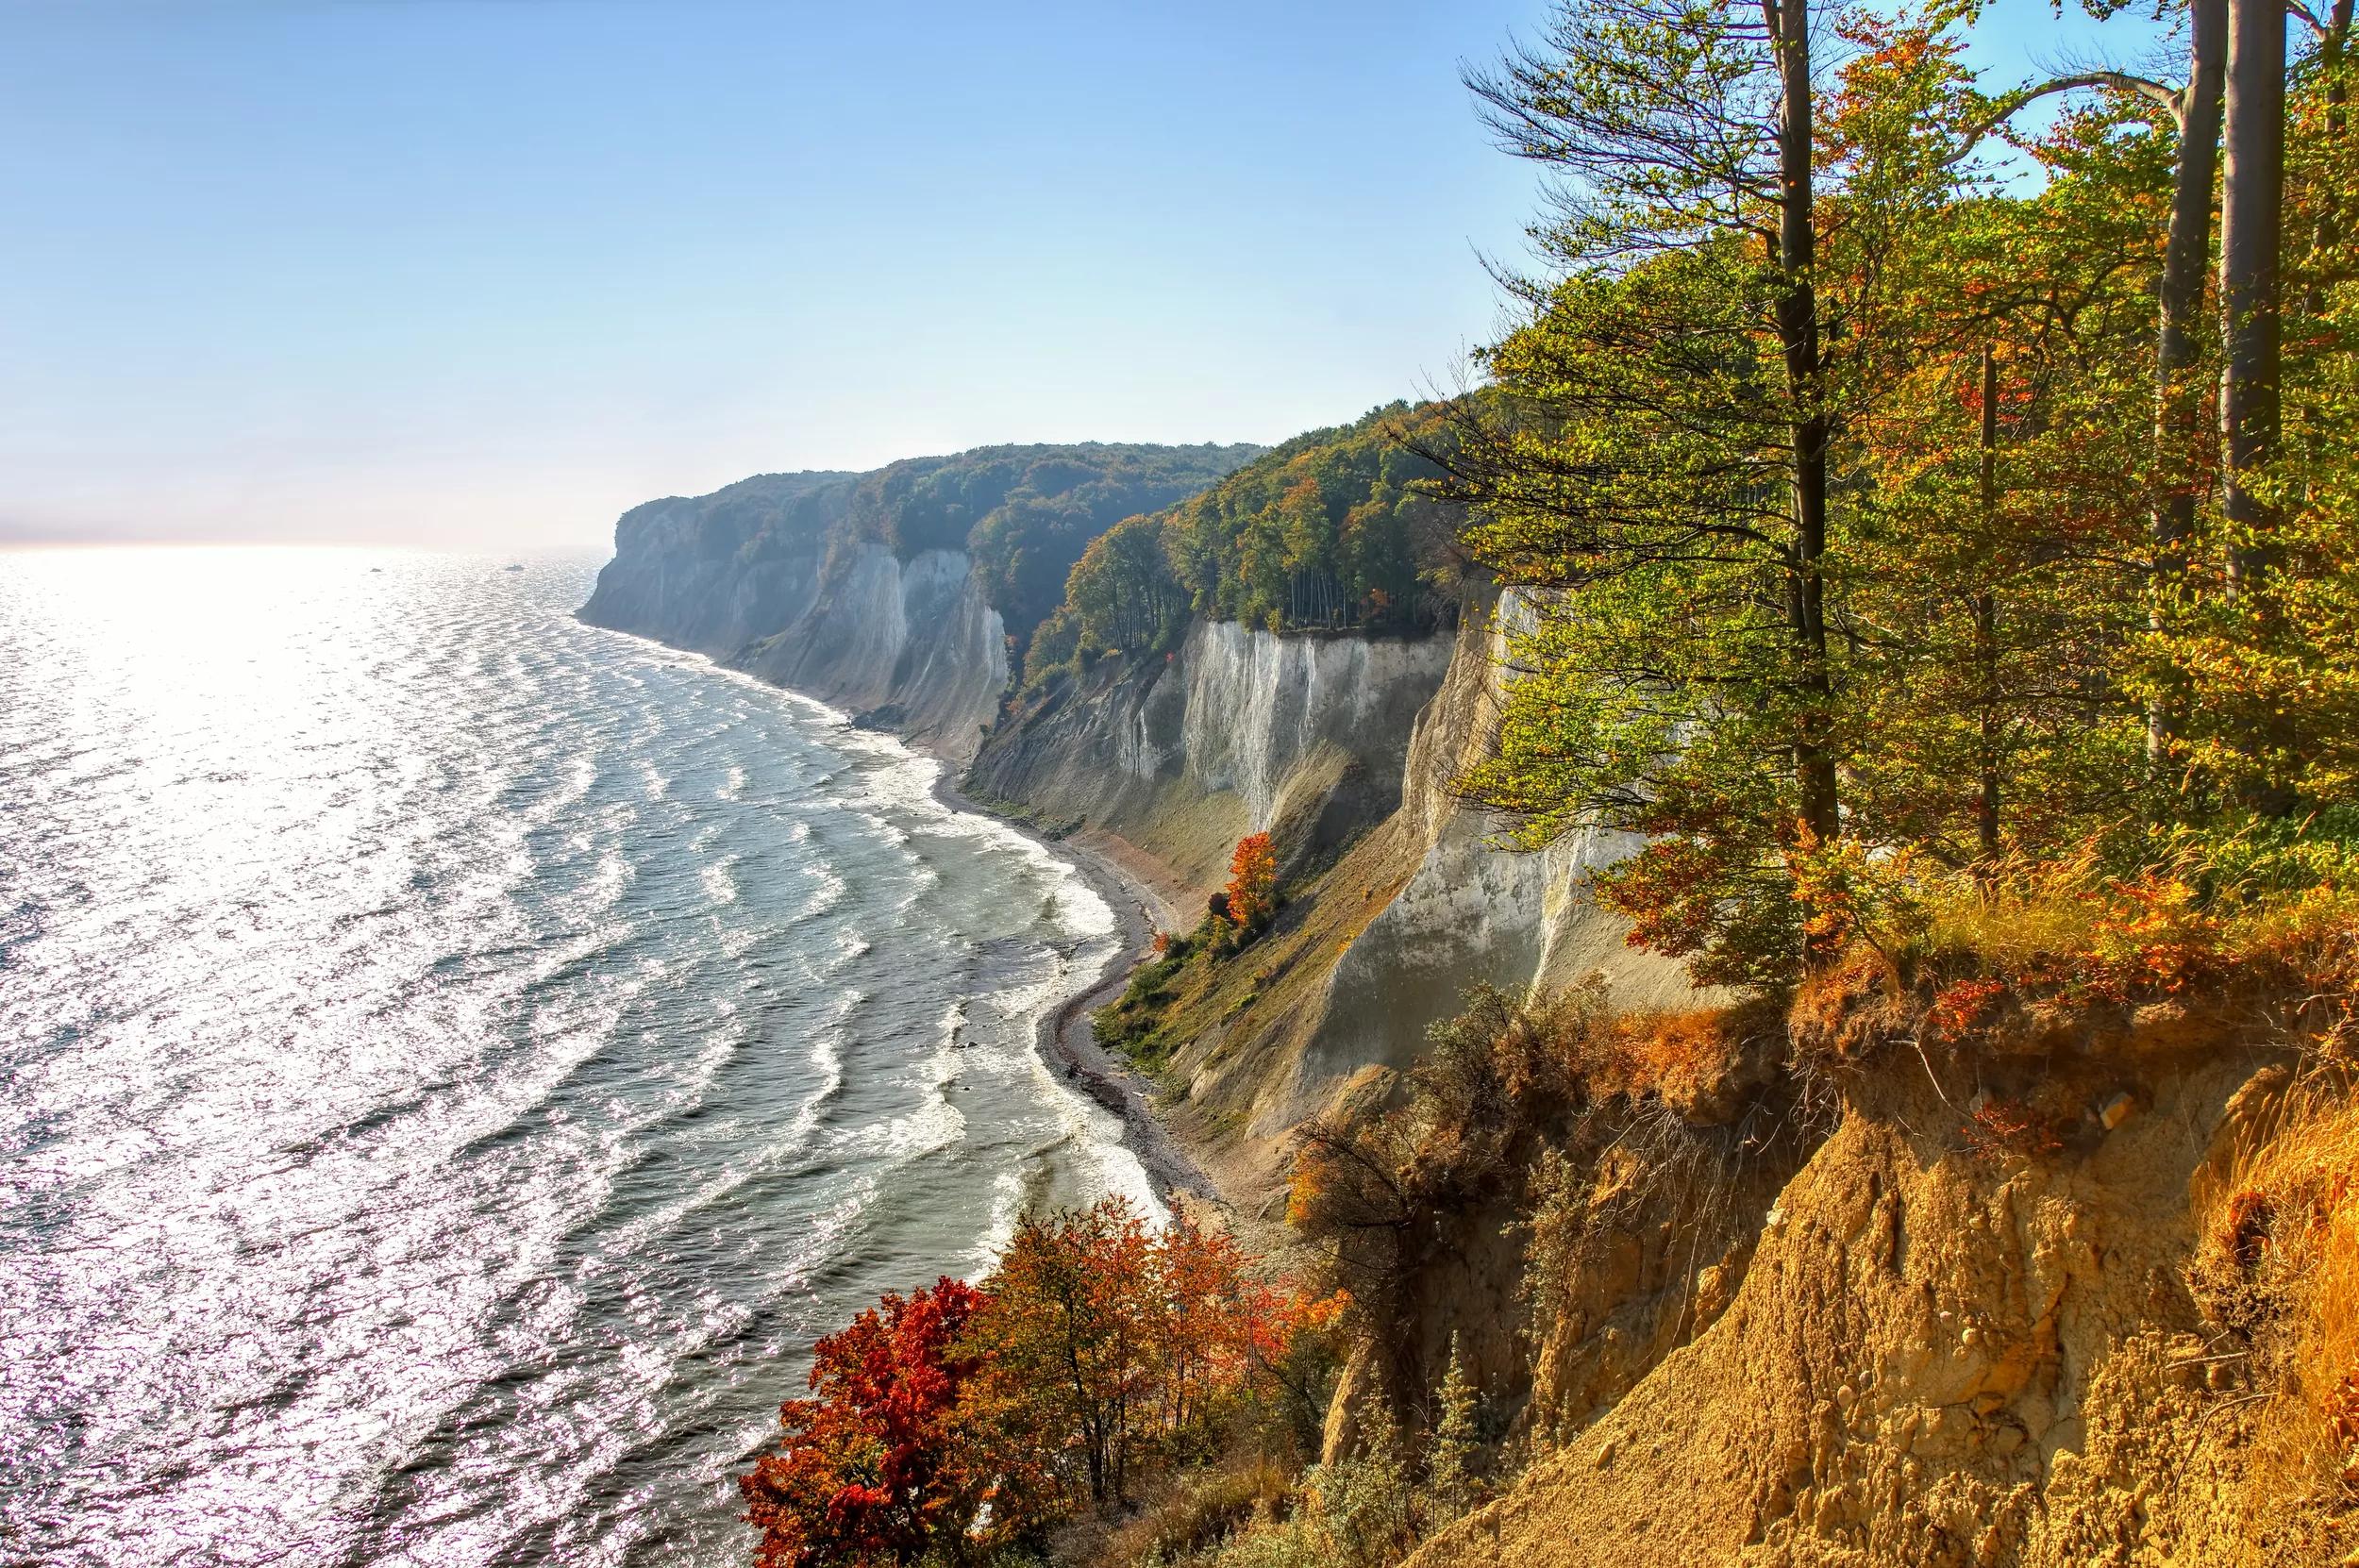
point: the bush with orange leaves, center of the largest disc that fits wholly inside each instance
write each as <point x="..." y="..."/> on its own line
<point x="1251" y="896"/>
<point x="2275" y="927"/>
<point x="1101" y="1351"/>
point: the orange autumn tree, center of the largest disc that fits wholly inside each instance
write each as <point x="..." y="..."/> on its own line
<point x="1251" y="895"/>
<point x="1114" y="1345"/>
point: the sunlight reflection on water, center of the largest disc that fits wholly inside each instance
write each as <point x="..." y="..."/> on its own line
<point x="455" y="1059"/>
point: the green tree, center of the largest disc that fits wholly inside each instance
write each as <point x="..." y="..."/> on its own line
<point x="1811" y="467"/>
<point x="1664" y="481"/>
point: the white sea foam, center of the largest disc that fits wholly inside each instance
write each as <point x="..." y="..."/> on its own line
<point x="720" y="880"/>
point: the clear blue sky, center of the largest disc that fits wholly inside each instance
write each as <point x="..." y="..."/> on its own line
<point x="491" y="271"/>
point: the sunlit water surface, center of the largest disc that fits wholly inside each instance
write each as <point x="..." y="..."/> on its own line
<point x="453" y="1059"/>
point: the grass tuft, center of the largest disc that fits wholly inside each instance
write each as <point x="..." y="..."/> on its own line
<point x="2278" y="1269"/>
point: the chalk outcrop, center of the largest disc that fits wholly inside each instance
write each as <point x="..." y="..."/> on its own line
<point x="710" y="573"/>
<point x="1239" y="730"/>
<point x="1471" y="912"/>
<point x="912" y="646"/>
<point x="762" y="578"/>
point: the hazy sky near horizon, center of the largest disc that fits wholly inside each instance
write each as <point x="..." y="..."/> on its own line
<point x="491" y="271"/>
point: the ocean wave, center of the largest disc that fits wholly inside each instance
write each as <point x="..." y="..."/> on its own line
<point x="720" y="880"/>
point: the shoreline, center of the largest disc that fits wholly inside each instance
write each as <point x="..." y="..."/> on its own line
<point x="1064" y="1037"/>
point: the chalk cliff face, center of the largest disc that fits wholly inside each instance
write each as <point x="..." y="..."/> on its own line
<point x="911" y="646"/>
<point x="1345" y="748"/>
<point x="1238" y="731"/>
<point x="710" y="573"/>
<point x="1263" y="708"/>
<point x="1471" y="912"/>
<point x="888" y="593"/>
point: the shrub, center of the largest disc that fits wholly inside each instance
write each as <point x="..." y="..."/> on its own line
<point x="1195" y="1512"/>
<point x="1451" y="1456"/>
<point x="1133" y="1024"/>
<point x="1250" y="897"/>
<point x="1360" y="1506"/>
<point x="2003" y="1132"/>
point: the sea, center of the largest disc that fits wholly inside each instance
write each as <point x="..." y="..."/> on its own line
<point x="454" y="1060"/>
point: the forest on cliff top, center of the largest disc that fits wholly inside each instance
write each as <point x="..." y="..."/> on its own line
<point x="1023" y="514"/>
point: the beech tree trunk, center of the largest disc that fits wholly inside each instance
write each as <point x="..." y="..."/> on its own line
<point x="2251" y="218"/>
<point x="1797" y="332"/>
<point x="2327" y="233"/>
<point x="2187" y="254"/>
<point x="1987" y="626"/>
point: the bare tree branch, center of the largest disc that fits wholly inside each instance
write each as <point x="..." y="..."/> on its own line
<point x="2013" y="102"/>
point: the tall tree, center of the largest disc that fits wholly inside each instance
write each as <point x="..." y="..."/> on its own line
<point x="1672" y="479"/>
<point x="2186" y="256"/>
<point x="1812" y="421"/>
<point x="2250" y="234"/>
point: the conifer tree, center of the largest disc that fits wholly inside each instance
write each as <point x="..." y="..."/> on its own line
<point x="1450" y="1453"/>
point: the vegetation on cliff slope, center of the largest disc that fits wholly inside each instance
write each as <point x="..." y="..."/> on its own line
<point x="1098" y="1355"/>
<point x="1026" y="514"/>
<point x="1334" y="529"/>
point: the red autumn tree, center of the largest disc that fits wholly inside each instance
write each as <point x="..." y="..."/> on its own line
<point x="877" y="1467"/>
<point x="1252" y="892"/>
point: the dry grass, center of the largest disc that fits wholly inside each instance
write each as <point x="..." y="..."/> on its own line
<point x="2067" y="924"/>
<point x="2190" y="954"/>
<point x="2022" y="918"/>
<point x="1191" y="1513"/>
<point x="2278" y="1269"/>
<point x="1702" y="1063"/>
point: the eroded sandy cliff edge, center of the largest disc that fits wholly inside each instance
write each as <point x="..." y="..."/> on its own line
<point x="1908" y="1343"/>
